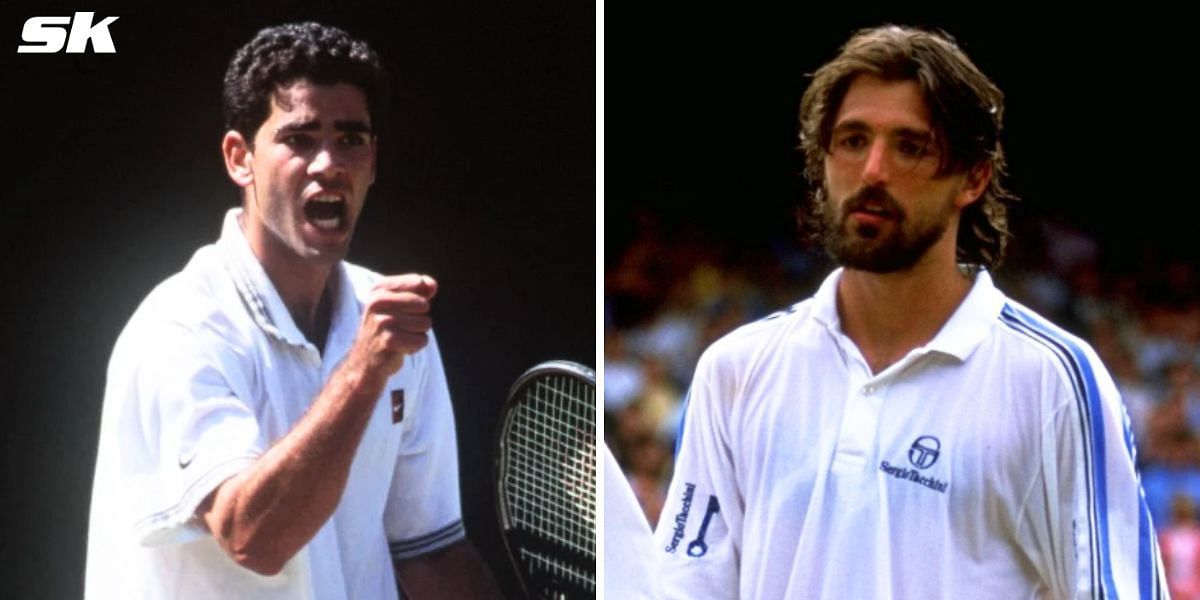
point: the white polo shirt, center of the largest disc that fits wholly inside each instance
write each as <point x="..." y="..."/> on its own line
<point x="208" y="373"/>
<point x="629" y="556"/>
<point x="994" y="462"/>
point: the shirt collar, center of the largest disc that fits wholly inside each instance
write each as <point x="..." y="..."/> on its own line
<point x="972" y="321"/>
<point x="825" y="302"/>
<point x="962" y="333"/>
<point x="260" y="297"/>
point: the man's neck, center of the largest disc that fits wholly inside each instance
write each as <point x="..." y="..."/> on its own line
<point x="889" y="315"/>
<point x="306" y="296"/>
<point x="301" y="285"/>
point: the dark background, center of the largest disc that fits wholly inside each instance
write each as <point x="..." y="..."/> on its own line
<point x="701" y="115"/>
<point x="114" y="177"/>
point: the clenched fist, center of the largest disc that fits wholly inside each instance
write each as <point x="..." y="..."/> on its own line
<point x="395" y="323"/>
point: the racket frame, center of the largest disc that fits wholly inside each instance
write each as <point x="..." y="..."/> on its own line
<point x="513" y="538"/>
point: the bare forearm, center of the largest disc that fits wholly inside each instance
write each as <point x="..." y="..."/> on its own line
<point x="265" y="515"/>
<point x="456" y="572"/>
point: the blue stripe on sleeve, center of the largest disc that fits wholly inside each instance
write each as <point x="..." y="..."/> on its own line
<point x="1092" y="428"/>
<point x="687" y="401"/>
<point x="1148" y="580"/>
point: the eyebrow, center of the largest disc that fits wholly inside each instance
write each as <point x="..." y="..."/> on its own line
<point x="351" y="126"/>
<point x="856" y="125"/>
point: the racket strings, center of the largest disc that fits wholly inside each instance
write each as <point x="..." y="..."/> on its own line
<point x="550" y="462"/>
<point x="573" y="463"/>
<point x="565" y="571"/>
<point x="551" y="485"/>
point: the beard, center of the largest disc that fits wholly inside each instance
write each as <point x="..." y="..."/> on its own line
<point x="873" y="248"/>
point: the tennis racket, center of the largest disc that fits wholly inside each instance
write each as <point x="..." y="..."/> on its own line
<point x="546" y="480"/>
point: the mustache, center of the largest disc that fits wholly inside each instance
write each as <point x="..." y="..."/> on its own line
<point x="874" y="197"/>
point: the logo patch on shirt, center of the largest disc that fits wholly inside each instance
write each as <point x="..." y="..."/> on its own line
<point x="924" y="451"/>
<point x="922" y="454"/>
<point x="185" y="460"/>
<point x="397" y="406"/>
<point x="699" y="547"/>
<point x="689" y="491"/>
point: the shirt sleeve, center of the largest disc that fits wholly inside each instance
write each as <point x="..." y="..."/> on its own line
<point x="185" y="430"/>
<point x="698" y="536"/>
<point x="1090" y="523"/>
<point x="423" y="511"/>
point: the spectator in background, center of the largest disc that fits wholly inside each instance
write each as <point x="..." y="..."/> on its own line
<point x="1180" y="543"/>
<point x="1172" y="451"/>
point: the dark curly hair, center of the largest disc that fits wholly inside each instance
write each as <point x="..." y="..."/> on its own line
<point x="281" y="55"/>
<point x="966" y="110"/>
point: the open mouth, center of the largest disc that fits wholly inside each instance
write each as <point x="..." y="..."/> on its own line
<point x="874" y="211"/>
<point x="325" y="212"/>
<point x="871" y="217"/>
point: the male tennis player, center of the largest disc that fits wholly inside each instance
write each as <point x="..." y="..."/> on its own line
<point x="276" y="421"/>
<point x="908" y="432"/>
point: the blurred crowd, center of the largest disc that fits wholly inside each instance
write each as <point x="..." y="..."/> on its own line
<point x="674" y="288"/>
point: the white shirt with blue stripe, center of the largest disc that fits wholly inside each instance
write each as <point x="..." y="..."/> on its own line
<point x="994" y="462"/>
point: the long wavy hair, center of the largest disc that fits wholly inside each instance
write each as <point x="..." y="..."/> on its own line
<point x="966" y="110"/>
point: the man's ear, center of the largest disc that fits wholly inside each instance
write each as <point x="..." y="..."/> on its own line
<point x="239" y="159"/>
<point x="978" y="178"/>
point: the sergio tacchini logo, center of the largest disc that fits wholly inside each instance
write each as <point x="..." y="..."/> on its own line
<point x="922" y="454"/>
<point x="924" y="451"/>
